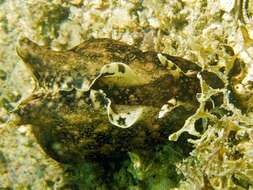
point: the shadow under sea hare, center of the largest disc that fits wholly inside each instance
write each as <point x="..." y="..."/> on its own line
<point x="104" y="97"/>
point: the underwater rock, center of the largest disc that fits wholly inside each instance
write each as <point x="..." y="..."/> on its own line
<point x="103" y="98"/>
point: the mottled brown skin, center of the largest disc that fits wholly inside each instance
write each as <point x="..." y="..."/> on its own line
<point x="67" y="125"/>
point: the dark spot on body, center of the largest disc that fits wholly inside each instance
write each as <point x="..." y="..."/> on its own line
<point x="121" y="68"/>
<point x="102" y="99"/>
<point x="121" y="121"/>
<point x="222" y="69"/>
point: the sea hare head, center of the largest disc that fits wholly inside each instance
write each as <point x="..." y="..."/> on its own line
<point x="51" y="70"/>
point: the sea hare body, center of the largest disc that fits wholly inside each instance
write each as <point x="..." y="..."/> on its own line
<point x="104" y="97"/>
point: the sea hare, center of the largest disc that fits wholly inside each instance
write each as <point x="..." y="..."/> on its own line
<point x="103" y="97"/>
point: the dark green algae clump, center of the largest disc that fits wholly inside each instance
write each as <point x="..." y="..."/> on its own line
<point x="104" y="98"/>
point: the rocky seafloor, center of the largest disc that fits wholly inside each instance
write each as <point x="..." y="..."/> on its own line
<point x="216" y="34"/>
